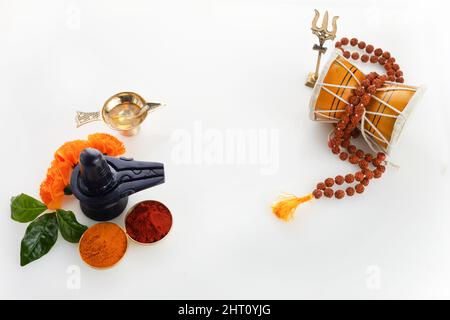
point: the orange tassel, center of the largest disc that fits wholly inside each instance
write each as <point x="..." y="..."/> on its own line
<point x="285" y="207"/>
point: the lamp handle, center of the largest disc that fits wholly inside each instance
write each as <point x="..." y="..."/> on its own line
<point x="85" y="117"/>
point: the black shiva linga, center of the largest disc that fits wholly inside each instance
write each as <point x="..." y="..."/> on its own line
<point x="103" y="184"/>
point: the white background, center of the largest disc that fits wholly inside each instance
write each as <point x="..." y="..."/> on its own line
<point x="228" y="65"/>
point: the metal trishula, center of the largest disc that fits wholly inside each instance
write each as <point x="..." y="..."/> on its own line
<point x="323" y="34"/>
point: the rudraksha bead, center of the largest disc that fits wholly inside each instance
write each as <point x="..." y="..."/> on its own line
<point x="377" y="83"/>
<point x="321" y="186"/>
<point x="363" y="164"/>
<point x="368" y="173"/>
<point x="368" y="157"/>
<point x="354" y="100"/>
<point x="359" y="153"/>
<point x="359" y="91"/>
<point x="353" y="42"/>
<point x="345" y="143"/>
<point x="355" y="119"/>
<point x="344" y="41"/>
<point x="348" y="132"/>
<point x="339" y="194"/>
<point x="376" y="162"/>
<point x="372" y="89"/>
<point x="317" y="194"/>
<point x="350" y="109"/>
<point x="378" y="52"/>
<point x="372" y="76"/>
<point x="343" y="156"/>
<point x="381" y="156"/>
<point x="328" y="192"/>
<point x="359" y="176"/>
<point x="365" y="99"/>
<point x="350" y="191"/>
<point x="353" y="159"/>
<point x="341" y="125"/>
<point x="359" y="188"/>
<point x="349" y="178"/>
<point x="365" y="83"/>
<point x="339" y="180"/>
<point x="377" y="173"/>
<point x="359" y="109"/>
<point x="329" y="182"/>
<point x="345" y="118"/>
<point x="369" y="48"/>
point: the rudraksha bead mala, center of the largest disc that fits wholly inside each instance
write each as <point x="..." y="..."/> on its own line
<point x="371" y="166"/>
<point x="384" y="58"/>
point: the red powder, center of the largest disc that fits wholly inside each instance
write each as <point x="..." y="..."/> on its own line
<point x="149" y="221"/>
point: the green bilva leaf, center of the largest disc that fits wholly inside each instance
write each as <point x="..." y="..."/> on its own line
<point x="39" y="238"/>
<point x="25" y="208"/>
<point x="69" y="227"/>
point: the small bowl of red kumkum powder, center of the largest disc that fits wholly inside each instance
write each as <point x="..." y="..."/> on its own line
<point x="148" y="221"/>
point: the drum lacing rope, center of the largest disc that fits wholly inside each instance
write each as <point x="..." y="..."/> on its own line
<point x="367" y="135"/>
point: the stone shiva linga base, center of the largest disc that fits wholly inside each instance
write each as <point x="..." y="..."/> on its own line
<point x="103" y="184"/>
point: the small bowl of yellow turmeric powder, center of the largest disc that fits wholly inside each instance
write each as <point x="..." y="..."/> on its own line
<point x="103" y="245"/>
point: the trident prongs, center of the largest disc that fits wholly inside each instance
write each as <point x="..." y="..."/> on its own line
<point x="323" y="34"/>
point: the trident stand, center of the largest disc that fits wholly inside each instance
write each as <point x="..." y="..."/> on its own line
<point x="323" y="34"/>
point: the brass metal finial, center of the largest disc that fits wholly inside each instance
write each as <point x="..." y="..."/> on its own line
<point x="323" y="34"/>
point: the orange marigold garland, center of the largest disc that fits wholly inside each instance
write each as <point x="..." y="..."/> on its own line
<point x="106" y="144"/>
<point x="70" y="151"/>
<point x="66" y="158"/>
